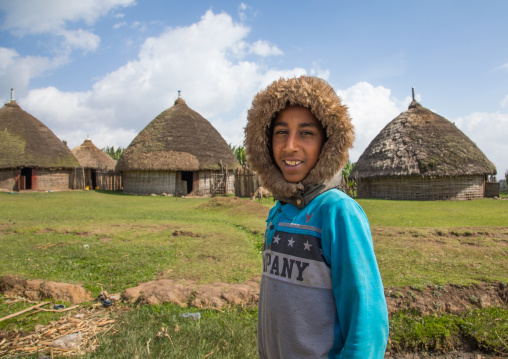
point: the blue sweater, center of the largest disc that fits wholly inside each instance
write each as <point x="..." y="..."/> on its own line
<point x="321" y="292"/>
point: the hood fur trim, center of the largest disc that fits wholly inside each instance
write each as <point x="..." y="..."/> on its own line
<point x="317" y="95"/>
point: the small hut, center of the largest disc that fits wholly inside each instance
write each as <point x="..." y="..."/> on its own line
<point x="420" y="155"/>
<point x="31" y="156"/>
<point x="178" y="153"/>
<point x="97" y="167"/>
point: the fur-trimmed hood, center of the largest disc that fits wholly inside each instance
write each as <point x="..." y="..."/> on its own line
<point x="317" y="95"/>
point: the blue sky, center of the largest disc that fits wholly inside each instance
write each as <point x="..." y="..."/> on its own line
<point x="106" y="68"/>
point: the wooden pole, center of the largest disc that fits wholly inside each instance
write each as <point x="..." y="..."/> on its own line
<point x="23" y="311"/>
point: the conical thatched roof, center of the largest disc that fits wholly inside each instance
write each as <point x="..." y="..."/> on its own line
<point x="179" y="139"/>
<point x="421" y="143"/>
<point x="89" y="156"/>
<point x="27" y="142"/>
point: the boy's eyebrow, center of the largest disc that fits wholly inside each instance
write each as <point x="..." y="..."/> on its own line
<point x="305" y="124"/>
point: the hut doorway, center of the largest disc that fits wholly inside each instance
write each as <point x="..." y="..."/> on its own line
<point x="26" y="178"/>
<point x="188" y="176"/>
<point x="94" y="179"/>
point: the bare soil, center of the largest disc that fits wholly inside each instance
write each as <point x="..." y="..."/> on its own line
<point x="38" y="290"/>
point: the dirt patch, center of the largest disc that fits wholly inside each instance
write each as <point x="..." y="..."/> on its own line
<point x="446" y="299"/>
<point x="456" y="354"/>
<point x="425" y="301"/>
<point x="178" y="233"/>
<point x="38" y="290"/>
<point x="497" y="233"/>
<point x="237" y="205"/>
<point x="214" y="295"/>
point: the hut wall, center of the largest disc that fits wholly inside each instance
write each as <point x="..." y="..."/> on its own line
<point x="149" y="182"/>
<point x="7" y="181"/>
<point x="415" y="188"/>
<point x="231" y="182"/>
<point x="204" y="183"/>
<point x="246" y="182"/>
<point x="492" y="189"/>
<point x="48" y="179"/>
<point x="211" y="183"/>
<point x="109" y="181"/>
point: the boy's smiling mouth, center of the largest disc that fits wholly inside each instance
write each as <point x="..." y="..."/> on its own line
<point x="292" y="163"/>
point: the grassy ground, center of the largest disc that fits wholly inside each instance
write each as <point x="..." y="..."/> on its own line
<point x="113" y="241"/>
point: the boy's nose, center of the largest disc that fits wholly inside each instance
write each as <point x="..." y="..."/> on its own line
<point x="291" y="144"/>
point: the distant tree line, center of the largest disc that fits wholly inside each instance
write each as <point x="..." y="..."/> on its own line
<point x="114" y="154"/>
<point x="239" y="152"/>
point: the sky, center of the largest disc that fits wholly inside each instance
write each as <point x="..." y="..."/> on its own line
<point x="104" y="69"/>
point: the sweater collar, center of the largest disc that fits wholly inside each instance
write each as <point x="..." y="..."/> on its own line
<point x="303" y="198"/>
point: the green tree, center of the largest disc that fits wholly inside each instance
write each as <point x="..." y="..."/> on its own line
<point x="114" y="154"/>
<point x="348" y="185"/>
<point x="239" y="152"/>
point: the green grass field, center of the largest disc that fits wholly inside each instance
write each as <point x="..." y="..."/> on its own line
<point x="114" y="241"/>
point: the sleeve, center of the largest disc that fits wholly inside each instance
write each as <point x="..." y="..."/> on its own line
<point x="356" y="281"/>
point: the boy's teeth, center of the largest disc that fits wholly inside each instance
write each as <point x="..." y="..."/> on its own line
<point x="293" y="163"/>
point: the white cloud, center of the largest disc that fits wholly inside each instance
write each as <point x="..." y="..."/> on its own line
<point x="17" y="71"/>
<point x="29" y="17"/>
<point x="263" y="48"/>
<point x="35" y="16"/>
<point x="371" y="109"/>
<point x="70" y="116"/>
<point x="488" y="131"/>
<point x="119" y="25"/>
<point x="137" y="25"/>
<point x="504" y="102"/>
<point x="81" y="39"/>
<point x="242" y="11"/>
<point x="202" y="60"/>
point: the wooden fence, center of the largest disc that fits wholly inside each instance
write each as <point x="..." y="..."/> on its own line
<point x="246" y="182"/>
<point x="103" y="180"/>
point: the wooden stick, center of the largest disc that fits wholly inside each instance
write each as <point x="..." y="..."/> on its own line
<point x="59" y="310"/>
<point x="23" y="311"/>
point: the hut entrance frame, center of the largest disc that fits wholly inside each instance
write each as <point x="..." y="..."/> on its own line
<point x="94" y="179"/>
<point x="26" y="178"/>
<point x="188" y="176"/>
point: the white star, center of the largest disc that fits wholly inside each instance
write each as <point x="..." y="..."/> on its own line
<point x="307" y="245"/>
<point x="290" y="242"/>
<point x="276" y="239"/>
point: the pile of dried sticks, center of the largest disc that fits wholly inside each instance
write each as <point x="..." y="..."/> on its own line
<point x="84" y="322"/>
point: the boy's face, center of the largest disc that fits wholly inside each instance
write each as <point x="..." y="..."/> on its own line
<point x="296" y="142"/>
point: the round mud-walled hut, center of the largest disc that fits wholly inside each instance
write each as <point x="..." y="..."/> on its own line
<point x="98" y="168"/>
<point x="420" y="155"/>
<point x="179" y="153"/>
<point x="31" y="156"/>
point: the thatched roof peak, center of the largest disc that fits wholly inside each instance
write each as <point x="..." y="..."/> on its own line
<point x="178" y="139"/>
<point x="12" y="103"/>
<point x="27" y="142"/>
<point x="421" y="143"/>
<point x="89" y="156"/>
<point x="180" y="101"/>
<point x="414" y="104"/>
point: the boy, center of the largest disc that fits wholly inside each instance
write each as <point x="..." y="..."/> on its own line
<point x="321" y="293"/>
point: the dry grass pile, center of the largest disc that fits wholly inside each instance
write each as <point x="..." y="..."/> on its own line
<point x="73" y="334"/>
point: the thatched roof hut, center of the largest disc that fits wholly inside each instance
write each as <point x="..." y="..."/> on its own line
<point x="89" y="156"/>
<point x="31" y="156"/>
<point x="97" y="166"/>
<point x="421" y="155"/>
<point x="179" y="152"/>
